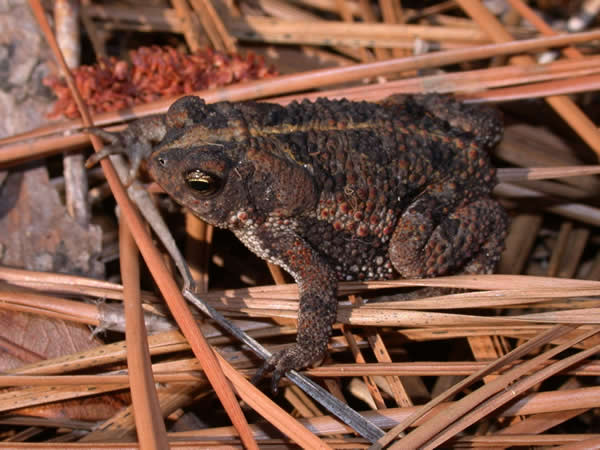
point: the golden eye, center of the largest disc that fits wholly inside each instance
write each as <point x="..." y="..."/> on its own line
<point x="202" y="182"/>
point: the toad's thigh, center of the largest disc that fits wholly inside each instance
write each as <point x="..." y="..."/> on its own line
<point x="469" y="239"/>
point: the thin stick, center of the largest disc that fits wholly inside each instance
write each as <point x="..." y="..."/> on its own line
<point x="150" y="427"/>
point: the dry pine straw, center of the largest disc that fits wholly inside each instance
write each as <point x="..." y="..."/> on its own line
<point x="566" y="303"/>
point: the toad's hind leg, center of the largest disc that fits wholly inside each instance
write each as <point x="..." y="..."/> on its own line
<point x="466" y="240"/>
<point x="483" y="122"/>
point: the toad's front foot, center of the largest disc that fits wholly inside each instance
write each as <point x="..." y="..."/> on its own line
<point x="293" y="357"/>
<point x="137" y="142"/>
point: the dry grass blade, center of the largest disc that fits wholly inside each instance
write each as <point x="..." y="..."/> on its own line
<point x="536" y="403"/>
<point x="40" y="395"/>
<point x="572" y="210"/>
<point x="474" y="282"/>
<point x="485" y="299"/>
<point x="543" y="173"/>
<point x="281" y="301"/>
<point x="348" y="34"/>
<point x="89" y="380"/>
<point x="189" y="23"/>
<point x="406" y="318"/>
<point x="432" y="368"/>
<point x="503" y="397"/>
<point x="50" y="306"/>
<point x="103" y="316"/>
<point x="150" y="427"/>
<point x="473" y="85"/>
<point x="546" y="89"/>
<point x="571" y="441"/>
<point x="58" y="282"/>
<point x="120" y="426"/>
<point x="213" y="25"/>
<point x="426" y="432"/>
<point x="584" y="443"/>
<point x="517" y="353"/>
<point x="160" y="343"/>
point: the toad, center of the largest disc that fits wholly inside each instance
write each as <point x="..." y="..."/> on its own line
<point x="334" y="190"/>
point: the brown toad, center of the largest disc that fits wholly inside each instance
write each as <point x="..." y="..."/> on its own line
<point x="335" y="190"/>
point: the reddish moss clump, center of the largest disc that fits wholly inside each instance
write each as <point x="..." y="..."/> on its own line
<point x="152" y="73"/>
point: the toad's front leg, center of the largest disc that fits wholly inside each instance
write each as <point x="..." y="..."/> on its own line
<point x="137" y="142"/>
<point x="317" y="285"/>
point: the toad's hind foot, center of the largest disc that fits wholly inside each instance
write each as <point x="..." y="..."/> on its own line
<point x="467" y="240"/>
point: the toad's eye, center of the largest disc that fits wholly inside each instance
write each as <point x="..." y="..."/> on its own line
<point x="202" y="182"/>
